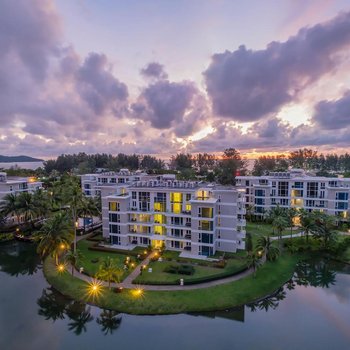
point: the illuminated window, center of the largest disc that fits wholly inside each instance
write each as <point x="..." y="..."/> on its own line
<point x="176" y="208"/>
<point x="114" y="206"/>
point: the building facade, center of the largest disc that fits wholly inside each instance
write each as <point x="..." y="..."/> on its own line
<point x="91" y="183"/>
<point x="17" y="185"/>
<point x="296" y="189"/>
<point x="186" y="216"/>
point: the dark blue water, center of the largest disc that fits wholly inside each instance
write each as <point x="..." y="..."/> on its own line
<point x="311" y="312"/>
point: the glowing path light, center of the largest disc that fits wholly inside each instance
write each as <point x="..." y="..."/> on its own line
<point x="94" y="289"/>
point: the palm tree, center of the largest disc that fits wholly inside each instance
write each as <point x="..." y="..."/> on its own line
<point x="10" y="206"/>
<point x="73" y="258"/>
<point x="279" y="223"/>
<point x="324" y="229"/>
<point x="307" y="222"/>
<point x="265" y="244"/>
<point x="41" y="203"/>
<point x="254" y="261"/>
<point x="88" y="208"/>
<point x="109" y="271"/>
<point x="73" y="197"/>
<point x="291" y="213"/>
<point x="53" y="233"/>
<point x="109" y="321"/>
<point x="27" y="207"/>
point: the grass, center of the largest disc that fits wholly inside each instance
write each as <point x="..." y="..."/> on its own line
<point x="270" y="277"/>
<point x="92" y="259"/>
<point x="158" y="276"/>
<point x="346" y="255"/>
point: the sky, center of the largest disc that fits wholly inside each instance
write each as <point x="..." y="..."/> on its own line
<point x="165" y="76"/>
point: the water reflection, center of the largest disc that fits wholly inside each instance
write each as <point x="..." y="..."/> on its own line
<point x="19" y="259"/>
<point x="234" y="314"/>
<point x="312" y="273"/>
<point x="54" y="306"/>
<point x="109" y="321"/>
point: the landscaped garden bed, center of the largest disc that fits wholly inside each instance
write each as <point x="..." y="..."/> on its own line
<point x="164" y="272"/>
<point x="92" y="259"/>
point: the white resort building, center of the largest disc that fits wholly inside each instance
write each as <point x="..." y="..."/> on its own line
<point x="91" y="183"/>
<point x="296" y="189"/>
<point x="17" y="185"/>
<point x="191" y="217"/>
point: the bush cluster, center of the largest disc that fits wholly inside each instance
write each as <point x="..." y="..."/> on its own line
<point x="180" y="269"/>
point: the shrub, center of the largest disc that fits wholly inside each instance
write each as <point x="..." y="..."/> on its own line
<point x="4" y="237"/>
<point x="180" y="269"/>
<point x="220" y="264"/>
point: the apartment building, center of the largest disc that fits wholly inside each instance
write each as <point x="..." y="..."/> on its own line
<point x="296" y="189"/>
<point x="17" y="185"/>
<point x="187" y="216"/>
<point x="91" y="184"/>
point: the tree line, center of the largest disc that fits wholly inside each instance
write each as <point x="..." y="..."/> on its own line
<point x="308" y="159"/>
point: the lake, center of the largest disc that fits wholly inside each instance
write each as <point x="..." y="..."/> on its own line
<point x="311" y="311"/>
<point x="22" y="165"/>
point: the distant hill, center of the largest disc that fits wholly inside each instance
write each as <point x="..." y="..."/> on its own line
<point x="18" y="159"/>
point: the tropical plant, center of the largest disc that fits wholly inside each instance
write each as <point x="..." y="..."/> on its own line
<point x="291" y="213"/>
<point x="109" y="271"/>
<point x="54" y="232"/>
<point x="73" y="258"/>
<point x="265" y="245"/>
<point x="279" y="223"/>
<point x="307" y="222"/>
<point x="254" y="262"/>
<point x="27" y="206"/>
<point x="73" y="197"/>
<point x="249" y="242"/>
<point x="10" y="206"/>
<point x="325" y="229"/>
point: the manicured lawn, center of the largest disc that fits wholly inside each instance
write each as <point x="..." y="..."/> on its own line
<point x="92" y="259"/>
<point x="270" y="277"/>
<point x="158" y="276"/>
<point x="260" y="228"/>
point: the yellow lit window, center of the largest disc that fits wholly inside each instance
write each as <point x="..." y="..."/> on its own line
<point x="188" y="207"/>
<point x="113" y="206"/>
<point x="176" y="197"/>
<point x="177" y="208"/>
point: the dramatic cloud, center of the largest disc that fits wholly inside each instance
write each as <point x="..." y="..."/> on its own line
<point x="97" y="85"/>
<point x="154" y="70"/>
<point x="246" y="85"/>
<point x="165" y="104"/>
<point x="333" y="114"/>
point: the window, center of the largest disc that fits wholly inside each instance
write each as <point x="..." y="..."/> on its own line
<point x="134" y="194"/>
<point x="206" y="238"/>
<point x="114" y="228"/>
<point x="260" y="201"/>
<point x="312" y="189"/>
<point x="188" y="197"/>
<point x="341" y="205"/>
<point x="342" y="196"/>
<point x="298" y="185"/>
<point x="114" y="206"/>
<point x="283" y="189"/>
<point x="114" y="217"/>
<point x="259" y="193"/>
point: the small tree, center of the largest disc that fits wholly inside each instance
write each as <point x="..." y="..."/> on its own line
<point x="254" y="262"/>
<point x="73" y="258"/>
<point x="265" y="244"/>
<point x="249" y="243"/>
<point x="109" y="271"/>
